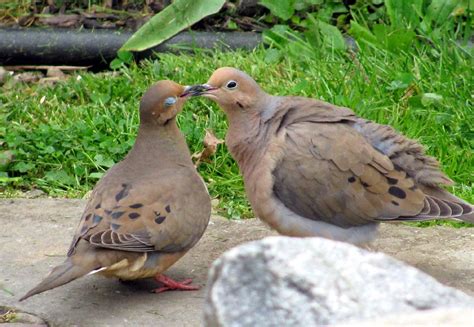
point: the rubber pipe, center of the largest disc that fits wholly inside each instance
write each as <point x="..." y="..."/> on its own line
<point x="35" y="46"/>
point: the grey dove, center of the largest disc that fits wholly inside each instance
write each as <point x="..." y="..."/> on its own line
<point x="311" y="168"/>
<point x="147" y="211"/>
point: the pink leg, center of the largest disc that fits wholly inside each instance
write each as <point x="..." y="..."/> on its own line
<point x="171" y="285"/>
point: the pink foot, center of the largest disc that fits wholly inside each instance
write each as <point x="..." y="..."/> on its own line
<point x="171" y="285"/>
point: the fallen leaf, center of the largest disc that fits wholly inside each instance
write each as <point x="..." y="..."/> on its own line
<point x="409" y="92"/>
<point x="61" y="20"/>
<point x="210" y="146"/>
<point x="27" y="77"/>
<point x="27" y="20"/>
<point x="51" y="80"/>
<point x="34" y="193"/>
<point x="215" y="203"/>
<point x="55" y="72"/>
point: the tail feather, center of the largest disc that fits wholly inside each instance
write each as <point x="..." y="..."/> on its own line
<point x="60" y="275"/>
<point x="468" y="217"/>
<point x="457" y="209"/>
<point x="426" y="209"/>
<point x="434" y="208"/>
<point x="437" y="209"/>
<point x="460" y="209"/>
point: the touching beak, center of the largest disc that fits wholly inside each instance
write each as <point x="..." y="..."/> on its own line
<point x="198" y="89"/>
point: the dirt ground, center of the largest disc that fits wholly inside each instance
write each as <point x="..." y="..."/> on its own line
<point x="35" y="235"/>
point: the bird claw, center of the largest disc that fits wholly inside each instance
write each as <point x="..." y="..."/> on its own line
<point x="171" y="285"/>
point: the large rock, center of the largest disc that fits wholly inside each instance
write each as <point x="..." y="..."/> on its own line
<point x="438" y="317"/>
<point x="282" y="281"/>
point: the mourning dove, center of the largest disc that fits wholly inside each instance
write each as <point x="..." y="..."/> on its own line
<point x="147" y="211"/>
<point x="311" y="168"/>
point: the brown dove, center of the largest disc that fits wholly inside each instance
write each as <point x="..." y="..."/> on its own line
<point x="311" y="168"/>
<point x="147" y="211"/>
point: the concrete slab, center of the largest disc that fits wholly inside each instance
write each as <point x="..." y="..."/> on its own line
<point x="35" y="235"/>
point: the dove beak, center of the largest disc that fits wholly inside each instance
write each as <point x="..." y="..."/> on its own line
<point x="187" y="91"/>
<point x="198" y="89"/>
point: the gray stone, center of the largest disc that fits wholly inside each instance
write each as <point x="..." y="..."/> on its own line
<point x="282" y="281"/>
<point x="438" y="317"/>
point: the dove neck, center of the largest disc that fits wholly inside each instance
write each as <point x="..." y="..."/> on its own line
<point x="163" y="145"/>
<point x="248" y="133"/>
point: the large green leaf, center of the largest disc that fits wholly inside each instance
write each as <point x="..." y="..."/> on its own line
<point x="170" y="21"/>
<point x="440" y="10"/>
<point x="440" y="13"/>
<point x="325" y="34"/>
<point x="332" y="36"/>
<point x="283" y="9"/>
<point x="404" y="13"/>
<point x="362" y="34"/>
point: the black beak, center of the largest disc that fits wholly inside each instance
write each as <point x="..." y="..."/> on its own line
<point x="196" y="90"/>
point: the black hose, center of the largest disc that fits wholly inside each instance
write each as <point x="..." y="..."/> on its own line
<point x="35" y="46"/>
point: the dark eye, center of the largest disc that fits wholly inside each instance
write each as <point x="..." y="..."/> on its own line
<point x="170" y="101"/>
<point x="231" y="85"/>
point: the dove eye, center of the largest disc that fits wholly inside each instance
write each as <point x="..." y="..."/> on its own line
<point x="231" y="85"/>
<point x="170" y="101"/>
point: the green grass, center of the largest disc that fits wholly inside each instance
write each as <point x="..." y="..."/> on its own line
<point x="84" y="125"/>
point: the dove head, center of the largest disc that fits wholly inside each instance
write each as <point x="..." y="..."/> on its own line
<point x="232" y="89"/>
<point x="162" y="102"/>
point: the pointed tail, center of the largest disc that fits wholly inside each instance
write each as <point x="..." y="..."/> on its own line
<point x="458" y="208"/>
<point x="60" y="275"/>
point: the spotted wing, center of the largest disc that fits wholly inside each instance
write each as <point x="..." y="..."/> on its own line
<point x="330" y="172"/>
<point x="130" y="217"/>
